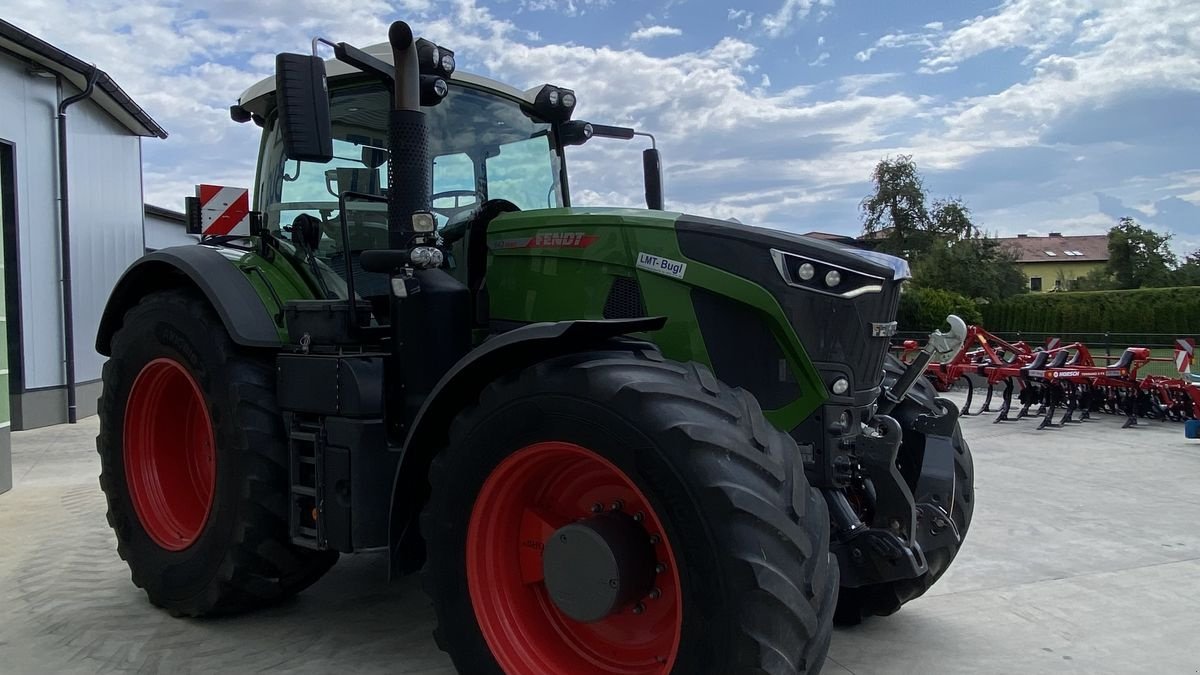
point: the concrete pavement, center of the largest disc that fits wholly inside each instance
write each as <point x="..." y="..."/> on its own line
<point x="1084" y="556"/>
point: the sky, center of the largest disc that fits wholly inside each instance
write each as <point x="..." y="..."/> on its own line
<point x="1041" y="115"/>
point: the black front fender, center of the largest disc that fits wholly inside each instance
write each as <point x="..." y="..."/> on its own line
<point x="505" y="353"/>
<point x="246" y="319"/>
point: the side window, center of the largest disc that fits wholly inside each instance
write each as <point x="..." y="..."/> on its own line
<point x="524" y="173"/>
<point x="1035" y="284"/>
<point x="453" y="186"/>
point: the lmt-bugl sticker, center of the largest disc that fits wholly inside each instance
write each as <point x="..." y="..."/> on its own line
<point x="653" y="263"/>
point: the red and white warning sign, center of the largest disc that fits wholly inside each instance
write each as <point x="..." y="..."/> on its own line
<point x="1184" y="348"/>
<point x="223" y="210"/>
<point x="1053" y="343"/>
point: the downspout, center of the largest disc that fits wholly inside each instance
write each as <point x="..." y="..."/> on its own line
<point x="64" y="225"/>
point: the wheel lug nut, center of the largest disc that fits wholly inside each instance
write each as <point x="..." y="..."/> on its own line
<point x="617" y="505"/>
<point x="660" y="568"/>
<point x="654" y="539"/>
<point x="639" y="608"/>
<point x="655" y="594"/>
<point x="639" y="517"/>
<point x="597" y="508"/>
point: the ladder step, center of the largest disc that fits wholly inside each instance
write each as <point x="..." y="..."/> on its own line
<point x="304" y="490"/>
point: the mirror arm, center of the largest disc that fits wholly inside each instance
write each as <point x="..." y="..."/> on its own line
<point x="365" y="62"/>
<point x="653" y="142"/>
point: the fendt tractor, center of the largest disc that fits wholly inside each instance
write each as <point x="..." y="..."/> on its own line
<point x="611" y="440"/>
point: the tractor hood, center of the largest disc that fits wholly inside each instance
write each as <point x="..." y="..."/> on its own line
<point x="713" y="236"/>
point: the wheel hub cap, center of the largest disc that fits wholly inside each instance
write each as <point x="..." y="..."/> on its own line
<point x="594" y="567"/>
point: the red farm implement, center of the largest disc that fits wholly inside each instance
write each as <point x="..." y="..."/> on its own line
<point x="1043" y="380"/>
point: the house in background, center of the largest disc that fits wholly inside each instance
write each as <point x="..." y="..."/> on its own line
<point x="1054" y="262"/>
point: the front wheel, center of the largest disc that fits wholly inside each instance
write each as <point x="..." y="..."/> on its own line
<point x="611" y="512"/>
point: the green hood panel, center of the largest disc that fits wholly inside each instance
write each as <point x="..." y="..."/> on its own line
<point x="559" y="264"/>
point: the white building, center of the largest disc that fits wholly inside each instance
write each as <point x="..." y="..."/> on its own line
<point x="166" y="228"/>
<point x="100" y="156"/>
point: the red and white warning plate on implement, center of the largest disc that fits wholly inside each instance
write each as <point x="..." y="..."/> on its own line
<point x="1184" y="348"/>
<point x="223" y="210"/>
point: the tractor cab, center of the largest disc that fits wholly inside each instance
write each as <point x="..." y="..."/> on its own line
<point x="488" y="143"/>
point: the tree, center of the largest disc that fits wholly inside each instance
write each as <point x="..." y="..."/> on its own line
<point x="951" y="219"/>
<point x="895" y="211"/>
<point x="977" y="267"/>
<point x="1187" y="274"/>
<point x="1138" y="257"/>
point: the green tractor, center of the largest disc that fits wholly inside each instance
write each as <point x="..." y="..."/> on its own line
<point x="611" y="440"/>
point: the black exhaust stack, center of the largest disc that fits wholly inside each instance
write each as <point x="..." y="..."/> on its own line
<point x="409" y="171"/>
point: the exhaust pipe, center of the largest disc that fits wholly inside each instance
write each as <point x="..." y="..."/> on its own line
<point x="409" y="171"/>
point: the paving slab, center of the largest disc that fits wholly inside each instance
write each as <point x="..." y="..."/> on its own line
<point x="1084" y="556"/>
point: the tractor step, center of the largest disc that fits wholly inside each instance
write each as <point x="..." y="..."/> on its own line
<point x="306" y="481"/>
<point x="341" y="475"/>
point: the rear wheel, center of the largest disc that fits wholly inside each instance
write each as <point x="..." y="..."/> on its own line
<point x="615" y="513"/>
<point x="887" y="598"/>
<point x="194" y="464"/>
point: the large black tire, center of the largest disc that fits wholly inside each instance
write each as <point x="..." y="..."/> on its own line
<point x="884" y="599"/>
<point x="757" y="582"/>
<point x="241" y="559"/>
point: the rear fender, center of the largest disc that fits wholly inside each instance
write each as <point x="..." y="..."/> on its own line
<point x="227" y="289"/>
<point x="508" y="352"/>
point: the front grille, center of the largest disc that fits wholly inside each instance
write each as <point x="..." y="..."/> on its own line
<point x="839" y="330"/>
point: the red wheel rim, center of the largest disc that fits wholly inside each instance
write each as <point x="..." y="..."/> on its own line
<point x="525" y="499"/>
<point x="170" y="463"/>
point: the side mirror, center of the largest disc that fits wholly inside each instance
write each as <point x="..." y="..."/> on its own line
<point x="304" y="118"/>
<point x="652" y="168"/>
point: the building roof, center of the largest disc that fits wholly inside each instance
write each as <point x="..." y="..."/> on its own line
<point x="108" y="95"/>
<point x="1057" y="248"/>
<point x="165" y="214"/>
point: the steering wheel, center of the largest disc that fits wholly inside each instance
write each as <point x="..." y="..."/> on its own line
<point x="449" y="212"/>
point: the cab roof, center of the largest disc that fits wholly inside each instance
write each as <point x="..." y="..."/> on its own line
<point x="259" y="97"/>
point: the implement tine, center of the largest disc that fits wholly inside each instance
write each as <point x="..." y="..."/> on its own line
<point x="1048" y="420"/>
<point x="1006" y="403"/>
<point x="966" y="409"/>
<point x="987" y="401"/>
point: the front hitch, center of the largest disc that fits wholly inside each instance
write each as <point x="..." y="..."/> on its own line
<point x="902" y="525"/>
<point x="942" y="346"/>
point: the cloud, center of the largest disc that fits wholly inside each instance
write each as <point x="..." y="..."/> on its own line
<point x="895" y="41"/>
<point x="820" y="40"/>
<point x="781" y="21"/>
<point x="652" y="32"/>
<point x="565" y="7"/>
<point x="820" y="60"/>
<point x="743" y="19"/>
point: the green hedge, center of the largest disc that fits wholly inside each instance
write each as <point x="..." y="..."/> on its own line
<point x="1174" y="311"/>
<point x="924" y="309"/>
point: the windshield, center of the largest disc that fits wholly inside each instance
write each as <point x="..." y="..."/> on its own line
<point x="483" y="147"/>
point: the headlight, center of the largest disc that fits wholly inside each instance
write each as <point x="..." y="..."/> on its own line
<point x="820" y="276"/>
<point x="553" y="97"/>
<point x="448" y="64"/>
<point x="840" y="386"/>
<point x="568" y="100"/>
